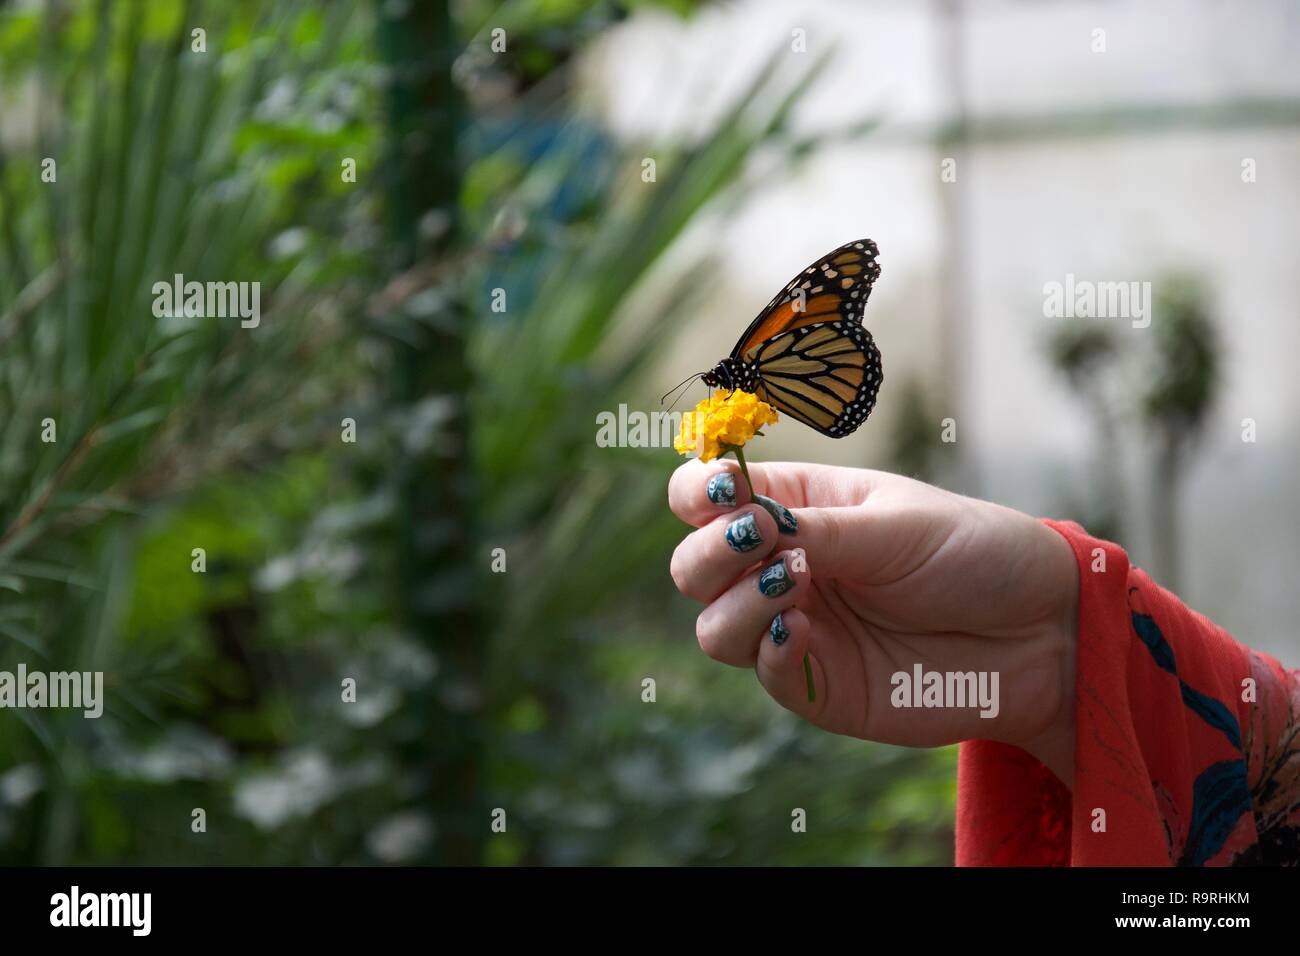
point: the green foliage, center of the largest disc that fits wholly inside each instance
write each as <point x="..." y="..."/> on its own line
<point x="168" y="161"/>
<point x="176" y="433"/>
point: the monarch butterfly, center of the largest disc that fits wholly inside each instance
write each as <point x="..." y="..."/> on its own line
<point x="807" y="353"/>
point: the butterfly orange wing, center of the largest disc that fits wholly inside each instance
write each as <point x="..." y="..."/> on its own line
<point x="834" y="287"/>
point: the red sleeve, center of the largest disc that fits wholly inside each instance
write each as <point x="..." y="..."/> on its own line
<point x="1187" y="744"/>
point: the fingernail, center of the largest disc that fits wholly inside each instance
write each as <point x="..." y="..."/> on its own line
<point x="775" y="580"/>
<point x="742" y="534"/>
<point x="786" y="522"/>
<point x="779" y="631"/>
<point x="722" y="489"/>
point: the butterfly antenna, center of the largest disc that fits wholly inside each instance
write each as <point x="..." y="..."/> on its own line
<point x="682" y="384"/>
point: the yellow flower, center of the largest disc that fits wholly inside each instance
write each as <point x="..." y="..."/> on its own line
<point x="721" y="423"/>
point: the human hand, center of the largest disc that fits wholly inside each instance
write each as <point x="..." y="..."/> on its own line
<point x="883" y="573"/>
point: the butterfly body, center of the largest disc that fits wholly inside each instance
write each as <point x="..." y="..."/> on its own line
<point x="807" y="352"/>
<point x="731" y="374"/>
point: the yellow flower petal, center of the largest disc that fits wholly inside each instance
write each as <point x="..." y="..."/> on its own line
<point x="722" y="421"/>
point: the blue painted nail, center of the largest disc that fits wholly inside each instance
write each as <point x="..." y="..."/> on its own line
<point x="775" y="580"/>
<point x="742" y="534"/>
<point x="722" y="489"/>
<point x="779" y="631"/>
<point x="786" y="522"/>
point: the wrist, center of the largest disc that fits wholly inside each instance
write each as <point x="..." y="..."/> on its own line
<point x="1053" y="745"/>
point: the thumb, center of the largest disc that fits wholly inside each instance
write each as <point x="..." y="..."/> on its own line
<point x="835" y="539"/>
<point x="870" y="542"/>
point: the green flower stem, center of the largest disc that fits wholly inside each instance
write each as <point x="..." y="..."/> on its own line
<point x="744" y="470"/>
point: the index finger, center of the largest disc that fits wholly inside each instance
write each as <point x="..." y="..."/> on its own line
<point x="794" y="484"/>
<point x="698" y="492"/>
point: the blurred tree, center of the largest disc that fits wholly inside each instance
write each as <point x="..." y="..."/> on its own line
<point x="1183" y="383"/>
<point x="1085" y="353"/>
<point x="1163" y="384"/>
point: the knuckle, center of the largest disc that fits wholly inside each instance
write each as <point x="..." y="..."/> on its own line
<point x="677" y="568"/>
<point x="685" y="574"/>
<point x="706" y="633"/>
